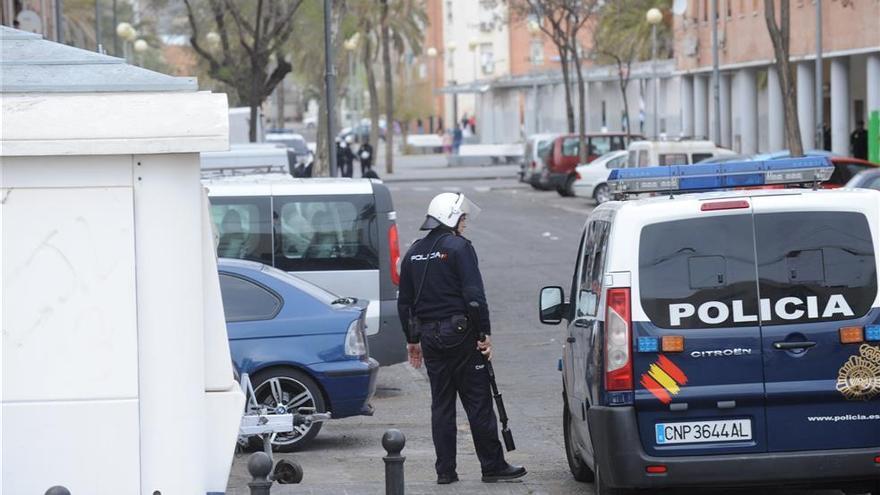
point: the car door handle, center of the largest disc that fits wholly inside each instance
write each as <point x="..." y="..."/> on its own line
<point x="787" y="346"/>
<point x="570" y="340"/>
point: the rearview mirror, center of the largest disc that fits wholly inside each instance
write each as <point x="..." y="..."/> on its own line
<point x="552" y="305"/>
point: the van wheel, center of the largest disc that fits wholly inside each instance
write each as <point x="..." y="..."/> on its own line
<point x="567" y="189"/>
<point x="287" y="390"/>
<point x="579" y="468"/>
<point x="602" y="194"/>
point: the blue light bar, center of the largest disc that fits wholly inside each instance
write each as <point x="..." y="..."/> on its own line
<point x="726" y="175"/>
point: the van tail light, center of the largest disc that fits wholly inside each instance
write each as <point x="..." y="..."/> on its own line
<point x="724" y="205"/>
<point x="394" y="249"/>
<point x="577" y="175"/>
<point x="618" y="341"/>
<point x="534" y="164"/>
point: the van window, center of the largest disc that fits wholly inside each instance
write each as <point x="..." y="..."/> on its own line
<point x="600" y="145"/>
<point x="593" y="268"/>
<point x="326" y="233"/>
<point x="685" y="264"/>
<point x="618" y="143"/>
<point x="672" y="159"/>
<point x="243" y="227"/>
<point x="823" y="261"/>
<point x="698" y="157"/>
<point x="570" y="146"/>
<point x="643" y="158"/>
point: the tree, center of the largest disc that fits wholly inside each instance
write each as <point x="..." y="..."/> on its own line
<point x="563" y="22"/>
<point x="249" y="33"/>
<point x="622" y="37"/>
<point x="389" y="91"/>
<point x="780" y="36"/>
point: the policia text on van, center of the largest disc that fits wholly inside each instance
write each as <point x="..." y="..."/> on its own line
<point x="707" y="332"/>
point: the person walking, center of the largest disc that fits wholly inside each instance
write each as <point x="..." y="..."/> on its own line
<point x="365" y="156"/>
<point x="439" y="276"/>
<point x="858" y="141"/>
<point x="457" y="137"/>
<point x="346" y="157"/>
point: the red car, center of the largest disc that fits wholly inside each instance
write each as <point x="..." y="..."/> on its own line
<point x="562" y="158"/>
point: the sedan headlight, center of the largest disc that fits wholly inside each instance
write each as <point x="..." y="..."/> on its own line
<point x="355" y="339"/>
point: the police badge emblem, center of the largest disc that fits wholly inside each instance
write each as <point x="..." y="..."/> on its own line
<point x="859" y="377"/>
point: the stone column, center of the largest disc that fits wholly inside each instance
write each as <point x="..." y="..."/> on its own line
<point x="701" y="106"/>
<point x="687" y="105"/>
<point x="747" y="102"/>
<point x="726" y="135"/>
<point x="873" y="75"/>
<point x="775" y="112"/>
<point x="806" y="104"/>
<point x="840" y="120"/>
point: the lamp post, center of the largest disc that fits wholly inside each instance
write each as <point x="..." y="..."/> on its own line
<point x="128" y="34"/>
<point x="330" y="89"/>
<point x="350" y="45"/>
<point x="473" y="44"/>
<point x="140" y="47"/>
<point x="431" y="52"/>
<point x="716" y="75"/>
<point x="534" y="28"/>
<point x="819" y="90"/>
<point x="654" y="17"/>
<point x="450" y="49"/>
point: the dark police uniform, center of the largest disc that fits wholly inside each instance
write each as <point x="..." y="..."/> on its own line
<point x="452" y="278"/>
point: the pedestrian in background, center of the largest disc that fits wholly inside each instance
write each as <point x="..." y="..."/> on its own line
<point x="456" y="139"/>
<point x="346" y="157"/>
<point x="439" y="277"/>
<point x="365" y="156"/>
<point x="446" y="141"/>
<point x="826" y="137"/>
<point x="858" y="141"/>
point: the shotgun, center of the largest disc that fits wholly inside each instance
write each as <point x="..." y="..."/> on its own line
<point x="506" y="434"/>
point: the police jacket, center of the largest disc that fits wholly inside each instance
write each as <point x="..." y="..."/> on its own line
<point x="451" y="280"/>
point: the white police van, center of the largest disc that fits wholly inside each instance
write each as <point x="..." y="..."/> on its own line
<point x="339" y="234"/>
<point x="724" y="338"/>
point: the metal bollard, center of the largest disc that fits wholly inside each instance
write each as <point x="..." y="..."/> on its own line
<point x="259" y="466"/>
<point x="57" y="490"/>
<point x="393" y="442"/>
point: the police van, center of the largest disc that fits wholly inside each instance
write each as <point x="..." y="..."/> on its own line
<point x="724" y="338"/>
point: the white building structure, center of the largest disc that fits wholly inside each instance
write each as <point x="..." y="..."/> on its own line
<point x="116" y="371"/>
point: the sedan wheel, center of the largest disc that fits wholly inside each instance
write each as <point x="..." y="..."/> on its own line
<point x="286" y="391"/>
<point x="602" y="194"/>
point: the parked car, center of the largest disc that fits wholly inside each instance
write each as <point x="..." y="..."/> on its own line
<point x="339" y="234"/>
<point x="292" y="141"/>
<point x="564" y="156"/>
<point x="532" y="166"/>
<point x="248" y="158"/>
<point x="654" y="153"/>
<point x="724" y="338"/>
<point x="591" y="179"/>
<point x="304" y="348"/>
<point x="868" y="179"/>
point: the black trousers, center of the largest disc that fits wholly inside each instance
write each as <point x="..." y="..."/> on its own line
<point x="456" y="367"/>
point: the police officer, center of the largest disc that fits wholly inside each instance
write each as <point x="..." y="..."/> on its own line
<point x="439" y="276"/>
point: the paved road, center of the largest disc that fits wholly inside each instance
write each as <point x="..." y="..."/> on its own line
<point x="525" y="240"/>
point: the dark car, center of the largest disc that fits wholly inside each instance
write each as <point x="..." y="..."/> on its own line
<point x="845" y="167"/>
<point x="868" y="179"/>
<point x="304" y="348"/>
<point x="563" y="156"/>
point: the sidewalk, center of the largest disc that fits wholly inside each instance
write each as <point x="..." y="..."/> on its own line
<point x="433" y="167"/>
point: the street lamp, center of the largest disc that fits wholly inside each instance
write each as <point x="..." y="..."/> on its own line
<point x="533" y="27"/>
<point x="350" y="45"/>
<point x="473" y="43"/>
<point x="450" y="49"/>
<point x="212" y="39"/>
<point x="431" y="52"/>
<point x="654" y="17"/>
<point x="128" y="34"/>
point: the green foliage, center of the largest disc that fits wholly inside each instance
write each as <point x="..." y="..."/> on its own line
<point x="623" y="35"/>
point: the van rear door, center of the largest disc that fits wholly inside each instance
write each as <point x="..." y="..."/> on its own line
<point x="698" y="372"/>
<point x="818" y="286"/>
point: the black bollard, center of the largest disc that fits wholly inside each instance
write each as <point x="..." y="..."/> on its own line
<point x="259" y="466"/>
<point x="393" y="442"/>
<point x="57" y="490"/>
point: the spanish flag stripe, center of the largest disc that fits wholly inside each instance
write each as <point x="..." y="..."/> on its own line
<point x="672" y="370"/>
<point x="655" y="388"/>
<point x="662" y="378"/>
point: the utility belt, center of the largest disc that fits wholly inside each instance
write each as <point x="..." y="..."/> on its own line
<point x="457" y="324"/>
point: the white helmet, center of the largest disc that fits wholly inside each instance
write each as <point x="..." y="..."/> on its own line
<point x="447" y="209"/>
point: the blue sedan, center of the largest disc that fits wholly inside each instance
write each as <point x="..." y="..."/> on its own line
<point x="304" y="348"/>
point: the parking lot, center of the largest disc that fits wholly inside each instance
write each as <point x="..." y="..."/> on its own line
<point x="525" y="239"/>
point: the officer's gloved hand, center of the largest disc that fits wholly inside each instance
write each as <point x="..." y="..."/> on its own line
<point x="485" y="346"/>
<point x="414" y="351"/>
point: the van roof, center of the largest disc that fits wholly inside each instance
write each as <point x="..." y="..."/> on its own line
<point x="285" y="185"/>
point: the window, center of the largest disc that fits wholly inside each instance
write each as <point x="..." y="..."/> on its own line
<point x="619" y="162"/>
<point x="698" y="157"/>
<point x="449" y="12"/>
<point x="326" y="233"/>
<point x="244" y="300"/>
<point x="536" y="49"/>
<point x="696" y="261"/>
<point x="819" y="255"/>
<point x="873" y="183"/>
<point x="618" y="143"/>
<point x="592" y="268"/>
<point x="487" y="58"/>
<point x="643" y="158"/>
<point x="672" y="159"/>
<point x="570" y="146"/>
<point x="599" y="145"/>
<point x="243" y="227"/>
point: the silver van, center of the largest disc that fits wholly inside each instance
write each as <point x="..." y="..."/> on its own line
<point x="340" y="234"/>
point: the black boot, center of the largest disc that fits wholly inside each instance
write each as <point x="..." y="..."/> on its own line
<point x="510" y="472"/>
<point x="445" y="479"/>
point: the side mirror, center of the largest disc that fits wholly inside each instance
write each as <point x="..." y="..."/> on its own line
<point x="552" y="305"/>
